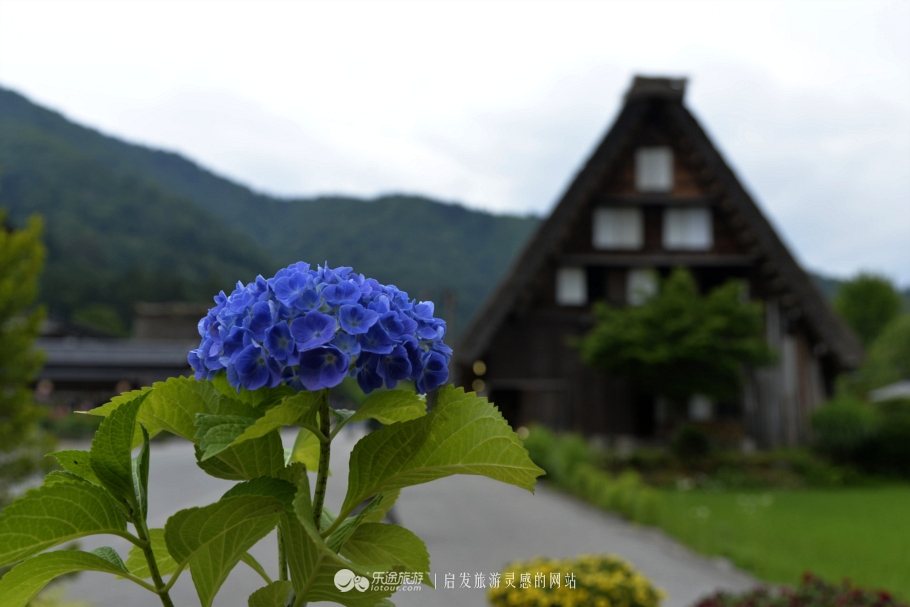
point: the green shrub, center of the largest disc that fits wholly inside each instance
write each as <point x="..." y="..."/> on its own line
<point x="812" y="592"/>
<point x="843" y="427"/>
<point x="690" y="443"/>
<point x="596" y="581"/>
<point x="889" y="451"/>
<point x="569" y="463"/>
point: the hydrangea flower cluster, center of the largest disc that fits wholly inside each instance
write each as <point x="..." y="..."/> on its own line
<point x="310" y="329"/>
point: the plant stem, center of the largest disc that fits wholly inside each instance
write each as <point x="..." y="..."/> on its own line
<point x="160" y="587"/>
<point x="325" y="449"/>
<point x="282" y="556"/>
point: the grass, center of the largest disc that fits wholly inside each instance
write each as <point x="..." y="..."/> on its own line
<point x="860" y="534"/>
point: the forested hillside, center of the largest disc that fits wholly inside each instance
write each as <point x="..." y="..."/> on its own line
<point x="126" y="223"/>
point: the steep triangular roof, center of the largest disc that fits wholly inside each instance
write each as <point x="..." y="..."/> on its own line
<point x="645" y="96"/>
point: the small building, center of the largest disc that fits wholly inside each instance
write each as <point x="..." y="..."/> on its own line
<point x="655" y="194"/>
<point x="84" y="368"/>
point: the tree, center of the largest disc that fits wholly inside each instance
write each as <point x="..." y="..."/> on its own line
<point x="868" y="303"/>
<point x="887" y="359"/>
<point x="680" y="343"/>
<point x="22" y="446"/>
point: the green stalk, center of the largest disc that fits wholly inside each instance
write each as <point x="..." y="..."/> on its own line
<point x="282" y="556"/>
<point x="325" y="449"/>
<point x="160" y="587"/>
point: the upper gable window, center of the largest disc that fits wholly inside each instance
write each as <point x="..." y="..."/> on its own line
<point x="688" y="229"/>
<point x="654" y="169"/>
<point x="618" y="228"/>
<point x="571" y="286"/>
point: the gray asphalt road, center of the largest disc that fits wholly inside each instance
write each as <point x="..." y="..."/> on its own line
<point x="470" y="525"/>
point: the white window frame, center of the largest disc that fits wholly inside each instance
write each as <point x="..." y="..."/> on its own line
<point x="654" y="169"/>
<point x="688" y="229"/>
<point x="641" y="285"/>
<point x="618" y="228"/>
<point x="571" y="286"/>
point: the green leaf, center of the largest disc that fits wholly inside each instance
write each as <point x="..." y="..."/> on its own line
<point x="306" y="450"/>
<point x="53" y="514"/>
<point x="392" y="406"/>
<point x="25" y="580"/>
<point x="313" y="565"/>
<point x="298" y="409"/>
<point x="58" y="477"/>
<point x="111" y="556"/>
<point x="212" y="539"/>
<point x="348" y="526"/>
<point x="387" y="547"/>
<point x="139" y="567"/>
<point x="262" y="456"/>
<point x="275" y="594"/>
<point x="215" y="433"/>
<point x="342" y="415"/>
<point x="174" y="404"/>
<point x="262" y="397"/>
<point x="254" y="565"/>
<point x="281" y="490"/>
<point x="141" y="475"/>
<point x="111" y="458"/>
<point x="118" y="401"/>
<point x="463" y="434"/>
<point x="388" y="500"/>
<point x="78" y="463"/>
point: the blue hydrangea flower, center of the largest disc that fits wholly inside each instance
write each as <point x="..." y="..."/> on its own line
<point x="309" y="329"/>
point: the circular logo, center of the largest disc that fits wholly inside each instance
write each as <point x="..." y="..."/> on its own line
<point x="346" y="579"/>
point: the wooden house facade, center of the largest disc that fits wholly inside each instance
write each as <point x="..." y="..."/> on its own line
<point x="655" y="194"/>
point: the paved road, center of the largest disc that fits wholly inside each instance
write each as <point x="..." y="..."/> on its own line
<point x="470" y="525"/>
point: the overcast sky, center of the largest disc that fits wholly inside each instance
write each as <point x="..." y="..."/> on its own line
<point x="496" y="105"/>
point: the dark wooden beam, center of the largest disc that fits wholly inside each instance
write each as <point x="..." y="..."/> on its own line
<point x="666" y="200"/>
<point x="660" y="260"/>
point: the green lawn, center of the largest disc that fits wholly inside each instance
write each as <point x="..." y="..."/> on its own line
<point x="860" y="534"/>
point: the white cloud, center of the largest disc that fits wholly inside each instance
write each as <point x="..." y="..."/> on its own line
<point x="496" y="104"/>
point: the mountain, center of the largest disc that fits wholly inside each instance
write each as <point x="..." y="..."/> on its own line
<point x="125" y="222"/>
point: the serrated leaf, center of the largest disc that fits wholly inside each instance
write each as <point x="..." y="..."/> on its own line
<point x="139" y="567"/>
<point x="388" y="500"/>
<point x="141" y="475"/>
<point x="342" y="415"/>
<point x="281" y="490"/>
<point x="111" y="458"/>
<point x="262" y="397"/>
<point x="297" y="409"/>
<point x="387" y="547"/>
<point x="276" y="594"/>
<point x="174" y="404"/>
<point x="392" y="406"/>
<point x="463" y="434"/>
<point x="111" y="556"/>
<point x="262" y="456"/>
<point x="306" y="450"/>
<point x="212" y="539"/>
<point x="215" y="433"/>
<point x="54" y="514"/>
<point x="253" y="564"/>
<point x="116" y="402"/>
<point x="25" y="580"/>
<point x="348" y="526"/>
<point x="313" y="565"/>
<point x="57" y="477"/>
<point x="78" y="463"/>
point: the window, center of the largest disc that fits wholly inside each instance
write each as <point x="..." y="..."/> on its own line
<point x="618" y="228"/>
<point x="701" y="408"/>
<point x="641" y="284"/>
<point x="654" y="169"/>
<point x="571" y="286"/>
<point x="688" y="229"/>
